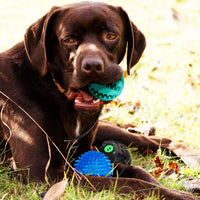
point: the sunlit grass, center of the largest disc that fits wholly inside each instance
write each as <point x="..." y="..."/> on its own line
<point x="166" y="81"/>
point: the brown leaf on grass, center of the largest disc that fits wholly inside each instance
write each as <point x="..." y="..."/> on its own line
<point x="148" y="131"/>
<point x="173" y="166"/>
<point x="127" y="126"/>
<point x="156" y="172"/>
<point x="158" y="162"/>
<point x="180" y="141"/>
<point x="161" y="170"/>
<point x="159" y="167"/>
<point x="137" y="106"/>
<point x="147" y="151"/>
<point x="56" y="191"/>
<point x="172" y="169"/>
<point x="176" y="15"/>
<point x="138" y="197"/>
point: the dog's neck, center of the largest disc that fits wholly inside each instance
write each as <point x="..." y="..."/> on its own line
<point x="79" y="127"/>
<point x="81" y="120"/>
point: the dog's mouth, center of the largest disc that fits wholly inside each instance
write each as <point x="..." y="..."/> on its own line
<point x="83" y="100"/>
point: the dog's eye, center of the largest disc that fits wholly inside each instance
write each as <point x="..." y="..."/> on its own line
<point x="70" y="41"/>
<point x="111" y="36"/>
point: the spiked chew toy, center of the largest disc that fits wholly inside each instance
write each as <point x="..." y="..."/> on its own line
<point x="107" y="92"/>
<point x="94" y="163"/>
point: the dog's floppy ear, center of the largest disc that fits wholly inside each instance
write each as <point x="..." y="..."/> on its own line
<point x="135" y="39"/>
<point x="35" y="42"/>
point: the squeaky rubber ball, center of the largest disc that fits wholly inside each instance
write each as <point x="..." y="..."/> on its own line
<point x="116" y="152"/>
<point x="94" y="163"/>
<point x="107" y="92"/>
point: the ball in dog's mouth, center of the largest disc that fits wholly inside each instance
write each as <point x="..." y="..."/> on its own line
<point x="93" y="96"/>
<point x="107" y="92"/>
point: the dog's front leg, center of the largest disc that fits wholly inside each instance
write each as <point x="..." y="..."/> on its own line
<point x="109" y="131"/>
<point x="133" y="172"/>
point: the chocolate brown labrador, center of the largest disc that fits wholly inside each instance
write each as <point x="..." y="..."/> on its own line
<point x="43" y="85"/>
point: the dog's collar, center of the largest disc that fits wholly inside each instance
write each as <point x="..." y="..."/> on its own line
<point x="63" y="91"/>
<point x="86" y="132"/>
<point x="59" y="87"/>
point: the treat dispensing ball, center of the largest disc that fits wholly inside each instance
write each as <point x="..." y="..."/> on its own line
<point x="107" y="92"/>
<point x="94" y="163"/>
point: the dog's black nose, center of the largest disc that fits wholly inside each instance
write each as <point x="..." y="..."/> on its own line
<point x="92" y="65"/>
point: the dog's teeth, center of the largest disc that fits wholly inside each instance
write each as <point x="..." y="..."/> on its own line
<point x="77" y="101"/>
<point x="95" y="100"/>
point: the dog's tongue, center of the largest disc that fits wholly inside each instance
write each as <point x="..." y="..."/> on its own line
<point x="83" y="100"/>
<point x="86" y="96"/>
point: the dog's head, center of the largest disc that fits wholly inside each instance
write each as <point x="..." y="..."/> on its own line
<point x="83" y="43"/>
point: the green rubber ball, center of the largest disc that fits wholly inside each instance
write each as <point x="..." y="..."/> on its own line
<point x="107" y="92"/>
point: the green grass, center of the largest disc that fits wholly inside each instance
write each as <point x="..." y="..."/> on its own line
<point x="166" y="82"/>
<point x="12" y="188"/>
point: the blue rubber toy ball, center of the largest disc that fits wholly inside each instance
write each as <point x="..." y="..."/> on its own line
<point x="94" y="163"/>
<point x="107" y="92"/>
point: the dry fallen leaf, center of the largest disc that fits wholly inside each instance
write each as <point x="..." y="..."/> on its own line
<point x="56" y="191"/>
<point x="161" y="170"/>
<point x="158" y="162"/>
